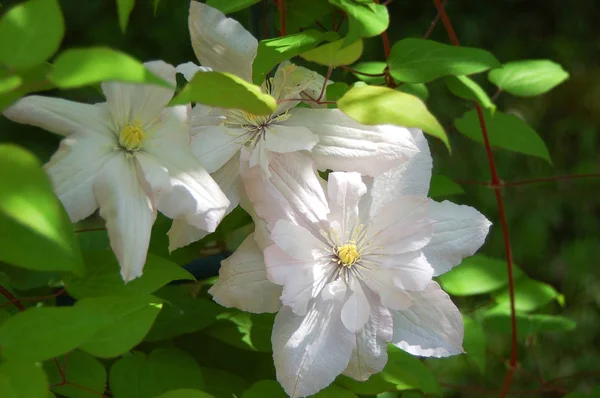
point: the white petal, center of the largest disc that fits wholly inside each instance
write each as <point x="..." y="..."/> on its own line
<point x="243" y="281"/>
<point x="207" y="116"/>
<point x="346" y="145"/>
<point x="73" y="169"/>
<point x="214" y="146"/>
<point x="129" y="102"/>
<point x="405" y="271"/>
<point x="282" y="139"/>
<point x="194" y="195"/>
<point x="260" y="156"/>
<point x="345" y="191"/>
<point x="402" y="225"/>
<point x="221" y="43"/>
<point x="357" y="309"/>
<point x="228" y="178"/>
<point x="298" y="242"/>
<point x="293" y="192"/>
<point x="302" y="280"/>
<point x="370" y="354"/>
<point x="128" y="213"/>
<point x="189" y="69"/>
<point x="60" y="116"/>
<point x="457" y="233"/>
<point x="310" y="351"/>
<point x="410" y="178"/>
<point x="431" y="327"/>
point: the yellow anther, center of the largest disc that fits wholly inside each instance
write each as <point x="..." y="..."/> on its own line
<point x="131" y="137"/>
<point x="347" y="254"/>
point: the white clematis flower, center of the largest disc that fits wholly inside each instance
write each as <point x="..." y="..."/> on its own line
<point x="130" y="157"/>
<point x="334" y="140"/>
<point x="355" y="260"/>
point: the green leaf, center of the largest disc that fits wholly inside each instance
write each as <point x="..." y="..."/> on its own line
<point x="407" y="372"/>
<point x="229" y="6"/>
<point x="499" y="319"/>
<point x="477" y="275"/>
<point x="46" y="332"/>
<point x="185" y="393"/>
<point x="182" y="313"/>
<point x="131" y="319"/>
<point x="529" y="295"/>
<point x="147" y="376"/>
<point x="24" y="279"/>
<point x="303" y="13"/>
<point x="505" y="131"/>
<point x="244" y="330"/>
<point x="374" y="385"/>
<point x="222" y="384"/>
<point x="372" y="105"/>
<point x="421" y="61"/>
<point x="334" y="391"/>
<point x="474" y="342"/>
<point x="124" y="8"/>
<point x="9" y="81"/>
<point x="81" y="369"/>
<point x="80" y="67"/>
<point x="334" y="54"/>
<point x="30" y="33"/>
<point x="265" y="388"/>
<point x="528" y="78"/>
<point x="225" y="90"/>
<point x="335" y="91"/>
<point x="443" y="186"/>
<point x="371" y="68"/>
<point x="464" y="87"/>
<point x="35" y="229"/>
<point x="417" y="89"/>
<point x="103" y="277"/>
<point x="19" y="379"/>
<point x="30" y="80"/>
<point x="273" y="51"/>
<point x="4" y="315"/>
<point x="364" y="19"/>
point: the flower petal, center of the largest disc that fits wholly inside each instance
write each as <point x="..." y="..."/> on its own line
<point x="405" y="271"/>
<point x="344" y="191"/>
<point x="370" y="354"/>
<point x="243" y="281"/>
<point x="298" y="242"/>
<point x="214" y="146"/>
<point x="283" y="139"/>
<point x="61" y="116"/>
<point x="410" y="178"/>
<point x="346" y="145"/>
<point x="73" y="169"/>
<point x="189" y="69"/>
<point x="310" y="351"/>
<point x="128" y="212"/>
<point x="431" y="327"/>
<point x="293" y="192"/>
<point x="221" y="43"/>
<point x="458" y="232"/>
<point x="143" y="103"/>
<point x="357" y="309"/>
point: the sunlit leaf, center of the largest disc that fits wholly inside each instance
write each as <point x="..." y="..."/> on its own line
<point x="84" y="66"/>
<point x="505" y="131"/>
<point x="229" y="6"/>
<point x="273" y="51"/>
<point x="334" y="54"/>
<point x="30" y="33"/>
<point x="124" y="8"/>
<point x="477" y="275"/>
<point x="35" y="229"/>
<point x="365" y="19"/>
<point x="225" y="90"/>
<point x="243" y="330"/>
<point x="420" y="61"/>
<point x="81" y="369"/>
<point x="407" y="372"/>
<point x="372" y="105"/>
<point x="464" y="87"/>
<point x="499" y="319"/>
<point x="22" y="379"/>
<point x="443" y="186"/>
<point x="529" y="295"/>
<point x="529" y="77"/>
<point x="370" y="68"/>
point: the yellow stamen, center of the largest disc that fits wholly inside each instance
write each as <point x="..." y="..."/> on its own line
<point x="347" y="254"/>
<point x="131" y="137"/>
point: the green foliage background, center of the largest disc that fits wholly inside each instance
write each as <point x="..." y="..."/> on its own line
<point x="554" y="225"/>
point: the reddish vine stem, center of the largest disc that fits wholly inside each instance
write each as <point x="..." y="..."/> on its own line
<point x="386" y="40"/>
<point x="12" y="299"/>
<point x="37" y="298"/>
<point x="282" y="17"/>
<point x="497" y="183"/>
<point x="434" y="23"/>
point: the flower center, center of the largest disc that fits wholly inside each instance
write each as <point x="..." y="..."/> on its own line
<point x="347" y="254"/>
<point x="253" y="126"/>
<point x="131" y="137"/>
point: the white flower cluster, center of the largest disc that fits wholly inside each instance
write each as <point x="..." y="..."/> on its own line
<point x="347" y="263"/>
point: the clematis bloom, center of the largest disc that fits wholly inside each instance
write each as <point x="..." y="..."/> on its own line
<point x="354" y="259"/>
<point x="130" y="157"/>
<point x="333" y="140"/>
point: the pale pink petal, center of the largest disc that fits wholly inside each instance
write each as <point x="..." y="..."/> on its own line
<point x="243" y="281"/>
<point x="357" y="309"/>
<point x="298" y="242"/>
<point x="215" y="146"/>
<point x="344" y="191"/>
<point x="283" y="139"/>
